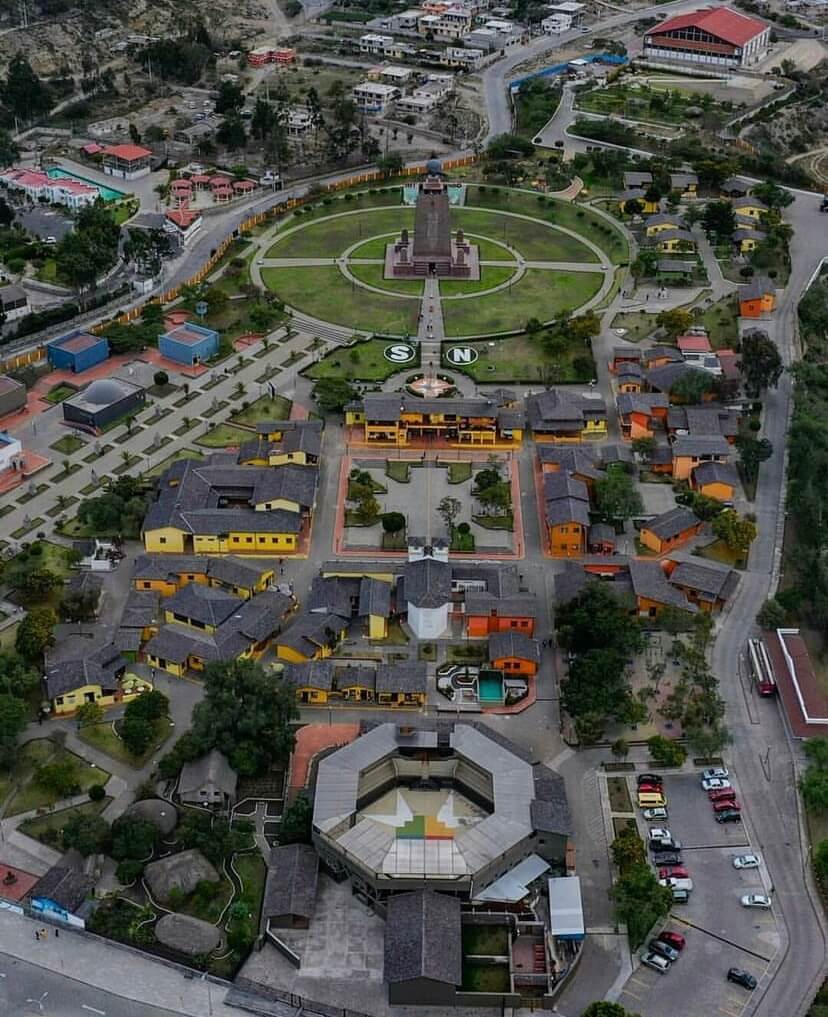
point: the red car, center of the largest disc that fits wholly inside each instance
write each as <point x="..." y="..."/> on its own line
<point x="673" y="872"/>
<point x="675" y="939"/>
<point x="724" y="806"/>
<point x="723" y="794"/>
<point x="650" y="789"/>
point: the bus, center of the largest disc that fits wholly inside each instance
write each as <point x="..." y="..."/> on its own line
<point x="761" y="669"/>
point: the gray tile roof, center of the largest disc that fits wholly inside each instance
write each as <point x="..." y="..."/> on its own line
<point x="758" y="287"/>
<point x="203" y="604"/>
<point x="660" y="352"/>
<point x="627" y="352"/>
<point x="712" y="473"/>
<point x="212" y="768"/>
<point x="423" y="938"/>
<point x="66" y="886"/>
<point x="601" y="533"/>
<point x="402" y="676"/>
<point x="240" y="572"/>
<point x="334" y="593"/>
<point x="567" y="510"/>
<point x="164" y="567"/>
<point x="374" y="597"/>
<point x="501" y="580"/>
<point x="672" y="523"/>
<point x="571" y="582"/>
<point x="513" y="644"/>
<point x="562" y="485"/>
<point x="675" y="265"/>
<point x="290" y="482"/>
<point x="292" y="877"/>
<point x="615" y="453"/>
<point x="702" y="445"/>
<point x="570" y="460"/>
<point x="709" y="581"/>
<point x="142" y="608"/>
<point x="315" y="674"/>
<point x="640" y="402"/>
<point x="664" y="378"/>
<point x="682" y="180"/>
<point x="523" y="605"/>
<point x="749" y="203"/>
<point x="428" y="583"/>
<point x="77" y="662"/>
<point x="676" y="234"/>
<point x="736" y="184"/>
<point x="649" y="581"/>
<point x="311" y="631"/>
<point x="274" y="426"/>
<point x="550" y="809"/>
<point x="664" y="219"/>
<point x="635" y="179"/>
<point x="383" y="407"/>
<point x="561" y="409"/>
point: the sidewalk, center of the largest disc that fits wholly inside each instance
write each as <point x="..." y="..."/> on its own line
<point x="112" y="968"/>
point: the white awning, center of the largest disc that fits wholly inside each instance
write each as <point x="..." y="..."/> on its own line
<point x="566" y="913"/>
<point x="514" y="886"/>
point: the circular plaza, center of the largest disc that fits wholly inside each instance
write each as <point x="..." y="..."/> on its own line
<point x="534" y="257"/>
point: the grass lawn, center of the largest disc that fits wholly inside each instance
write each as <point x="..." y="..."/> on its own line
<point x="490" y="276"/>
<point x="650" y="105"/>
<point x="540" y="293"/>
<point x="68" y="444"/>
<point x="581" y="220"/>
<point x="619" y="824"/>
<point x="32" y="796"/>
<point x="104" y="739"/>
<point x="263" y="408"/>
<point x="537" y="241"/>
<point x="639" y="324"/>
<point x="47" y="829"/>
<point x="373" y="276"/>
<point x="329" y="237"/>
<point x="519" y="359"/>
<point x="506" y="521"/>
<point x="619" y="795"/>
<point x="719" y="551"/>
<point x="721" y="322"/>
<point x="363" y="360"/>
<point x="462" y="541"/>
<point x="459" y="472"/>
<point x="223" y="436"/>
<point x="59" y="393"/>
<point x="485" y="940"/>
<point x="54" y="557"/>
<point x="400" y="471"/>
<point x="486" y="978"/>
<point x="253" y="874"/>
<point x="325" y="293"/>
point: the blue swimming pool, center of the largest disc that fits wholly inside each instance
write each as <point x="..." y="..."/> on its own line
<point x="107" y="193"/>
<point x="490" y="687"/>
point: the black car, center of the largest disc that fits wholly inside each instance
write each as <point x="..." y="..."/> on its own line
<point x="743" y="978"/>
<point x="666" y="858"/>
<point x="729" y="816"/>
<point x="664" y="845"/>
<point x="650" y="778"/>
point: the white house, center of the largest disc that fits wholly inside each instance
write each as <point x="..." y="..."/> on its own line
<point x="374" y="97"/>
<point x="376" y="44"/>
<point x="428" y="588"/>
<point x="456" y="56"/>
<point x="555" y="24"/>
<point x="11" y="452"/>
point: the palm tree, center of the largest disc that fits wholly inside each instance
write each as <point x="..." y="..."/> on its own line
<point x="66" y="465"/>
<point x="127" y="458"/>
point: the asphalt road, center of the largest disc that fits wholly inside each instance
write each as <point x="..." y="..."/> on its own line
<point x="28" y="989"/>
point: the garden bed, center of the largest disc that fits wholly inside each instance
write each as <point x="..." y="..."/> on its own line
<point x="105" y="739"/>
<point x="47" y="829"/>
<point x="619" y="795"/>
<point x="223" y="436"/>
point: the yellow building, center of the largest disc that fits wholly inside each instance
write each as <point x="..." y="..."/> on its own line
<point x="313" y="636"/>
<point x="748" y="240"/>
<point x="284" y="442"/>
<point x="77" y="673"/>
<point x="750" y="208"/>
<point x="675" y="240"/>
<point x="662" y="222"/>
<point x="634" y="202"/>
<point x="327" y="682"/>
<point x="567" y="417"/>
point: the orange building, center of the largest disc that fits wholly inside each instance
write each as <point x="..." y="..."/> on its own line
<point x="707" y="585"/>
<point x="670" y="529"/>
<point x="578" y="462"/>
<point x="514" y="653"/>
<point x="567" y="514"/>
<point x="653" y="591"/>
<point x="486" y="614"/>
<point x="757" y="298"/>
<point x="641" y="414"/>
<point x="692" y="450"/>
<point x="715" y="480"/>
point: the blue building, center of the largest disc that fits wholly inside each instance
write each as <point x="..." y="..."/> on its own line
<point x="77" y="351"/>
<point x="189" y="344"/>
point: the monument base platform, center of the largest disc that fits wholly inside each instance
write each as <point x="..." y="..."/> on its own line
<point x="466" y="266"/>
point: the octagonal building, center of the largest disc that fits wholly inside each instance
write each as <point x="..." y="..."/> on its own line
<point x="451" y="809"/>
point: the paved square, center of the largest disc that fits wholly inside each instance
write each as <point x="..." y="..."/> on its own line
<point x="657" y="498"/>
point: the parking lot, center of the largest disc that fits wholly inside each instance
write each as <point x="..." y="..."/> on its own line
<point x="720" y="933"/>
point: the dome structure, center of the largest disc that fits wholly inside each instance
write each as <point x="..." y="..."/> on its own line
<point x="161" y="814"/>
<point x="104" y="391"/>
<point x="434" y="167"/>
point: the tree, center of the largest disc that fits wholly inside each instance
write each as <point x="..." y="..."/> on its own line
<point x="596" y="618"/>
<point x="295" y="827"/>
<point x="736" y="531"/>
<point x="640" y="901"/>
<point x="231" y="133"/>
<point x="645" y="265"/>
<point x="666" y="751"/>
<point x="392" y="522"/>
<point x="134" y="135"/>
<point x="333" y="394"/>
<point x="719" y="221"/>
<point x="692" y="386"/>
<point x="212" y="835"/>
<point x="38" y="584"/>
<point x="620" y="748"/>
<point x="617" y="497"/>
<point x="584" y="327"/>
<point x="773" y="195"/>
<point x="772" y="615"/>
<point x="246" y="714"/>
<point x="760" y="362"/>
<point x="707" y="740"/>
<point x="90" y="249"/>
<point x="675" y="322"/>
<point x="35" y="633"/>
<point x="87" y="833"/>
<point x="88" y="714"/>
<point x="23" y="92"/>
<point x="139" y="725"/>
<point x="13" y="715"/>
<point x="752" y="453"/>
<point x="821" y="861"/>
<point x="133" y="838"/>
<point x="161" y="379"/>
<point x="449" y="509"/>
<point x="644" y="446"/>
<point x="633" y="206"/>
<point x="230" y="97"/>
<point x="390" y="164"/>
<point x="17" y="677"/>
<point x="628" y="849"/>
<point x="59" y="778"/>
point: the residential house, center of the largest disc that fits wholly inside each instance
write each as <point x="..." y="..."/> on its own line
<point x="634" y="180"/>
<point x="283" y="442"/>
<point x="750" y="208"/>
<point x="401" y="420"/>
<point x="692" y="450"/>
<point x="663" y="221"/>
<point x="208" y="780"/>
<point x="557" y="23"/>
<point x="757" y="298"/>
<point x="635" y="201"/>
<point x="566" y="513"/>
<point x="675" y="241"/>
<point x="352" y="597"/>
<point x="653" y="591"/>
<point x="80" y="670"/>
<point x="312" y="681"/>
<point x="630" y="377"/>
<point x="697" y="421"/>
<point x="374" y="97"/>
<point x="514" y="653"/>
<point x="687" y="184"/>
<point x="670" y="530"/>
<point x="140" y="620"/>
<point x="215" y="506"/>
<point x="694" y="347"/>
<point x="601" y="539"/>
<point x="675" y="271"/>
<point x="667" y="378"/>
<point x="313" y="636"/>
<point x="560" y="415"/>
<point x="735" y="187"/>
<point x="290" y="890"/>
<point x="403" y="683"/>
<point x="715" y="480"/>
<point x="129" y="162"/>
<point x="14" y="302"/>
<point x="641" y="414"/>
<point x="624" y="355"/>
<point x="747" y="239"/>
<point x="468" y="59"/>
<point x="707" y="585"/>
<point x="576" y="461"/>
<point x="659" y="356"/>
<point x="485" y="613"/>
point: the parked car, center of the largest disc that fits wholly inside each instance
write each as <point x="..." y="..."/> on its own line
<point x="656" y="962"/>
<point x="650" y="789"/>
<point x="746" y="862"/>
<point x="756" y="900"/>
<point x="722" y="793"/>
<point x="664" y="950"/>
<point x="657" y="813"/>
<point x="665" y="845"/>
<point x="729" y="816"/>
<point x="675" y="939"/>
<point x="673" y="872"/>
<point x="715" y="771"/>
<point x="727" y="803"/>
<point x="650" y="778"/>
<point x="659" y="833"/>
<point x="743" y="978"/>
<point x="680" y="896"/>
<point x="666" y="857"/>
<point x="714" y="783"/>
<point x="678" y="884"/>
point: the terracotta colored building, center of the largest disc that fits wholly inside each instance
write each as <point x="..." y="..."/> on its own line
<point x="514" y="653"/>
<point x="670" y="529"/>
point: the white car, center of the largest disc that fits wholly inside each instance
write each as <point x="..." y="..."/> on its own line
<point x="746" y="862"/>
<point x="756" y="900"/>
<point x="655" y="961"/>
<point x="653" y="814"/>
<point x="715" y="784"/>
<point x="677" y="884"/>
<point x="715" y="771"/>
<point x="50" y="241"/>
<point x="659" y="833"/>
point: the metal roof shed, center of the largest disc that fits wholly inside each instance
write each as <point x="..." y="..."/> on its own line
<point x="566" y="913"/>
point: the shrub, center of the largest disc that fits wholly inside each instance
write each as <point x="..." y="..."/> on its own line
<point x="463" y="528"/>
<point x="97" y="793"/>
<point x="666" y="751"/>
